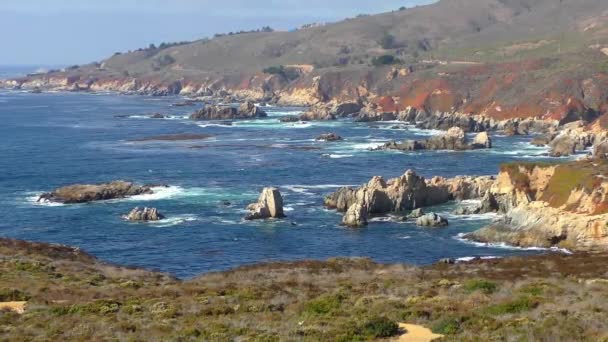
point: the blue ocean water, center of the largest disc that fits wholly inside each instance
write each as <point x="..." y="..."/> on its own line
<point x="53" y="139"/>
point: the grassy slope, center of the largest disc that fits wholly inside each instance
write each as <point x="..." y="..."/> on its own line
<point x="74" y="297"/>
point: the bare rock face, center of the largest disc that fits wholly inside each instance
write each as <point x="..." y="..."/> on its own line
<point x="454" y="139"/>
<point x="356" y="216"/>
<point x="562" y="146"/>
<point x="82" y="193"/>
<point x="600" y="150"/>
<point x="329" y="137"/>
<point x="144" y="215"/>
<point x="247" y="110"/>
<point x="432" y="220"/>
<point x="269" y="205"/>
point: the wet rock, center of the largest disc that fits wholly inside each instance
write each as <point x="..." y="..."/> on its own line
<point x="269" y="205"/>
<point x="82" y="193"/>
<point x="432" y="220"/>
<point x="415" y="214"/>
<point x="158" y="116"/>
<point x="329" y="137"/>
<point x="144" y="215"/>
<point x="290" y="118"/>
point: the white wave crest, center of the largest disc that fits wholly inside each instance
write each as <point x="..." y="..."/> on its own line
<point x="502" y="245"/>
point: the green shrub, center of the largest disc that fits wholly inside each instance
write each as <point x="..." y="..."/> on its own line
<point x="387" y="41"/>
<point x="379" y="327"/>
<point x="289" y="73"/>
<point x="102" y="307"/>
<point x="324" y="305"/>
<point x="519" y="305"/>
<point x="385" y="60"/>
<point x="484" y="286"/>
<point x="448" y="326"/>
<point x="13" y="295"/>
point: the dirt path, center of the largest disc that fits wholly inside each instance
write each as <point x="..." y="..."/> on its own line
<point x="416" y="333"/>
<point x="18" y="307"/>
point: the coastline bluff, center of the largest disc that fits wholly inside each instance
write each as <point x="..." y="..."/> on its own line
<point x="551" y="205"/>
<point x="402" y="194"/>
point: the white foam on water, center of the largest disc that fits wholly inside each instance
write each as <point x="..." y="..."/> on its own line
<point x="474" y="217"/>
<point x="337" y="156"/>
<point x="32" y="199"/>
<point x="214" y="125"/>
<point x="469" y="259"/>
<point x="174" y="221"/>
<point x="502" y="245"/>
<point x="406" y="237"/>
<point x="288" y="208"/>
<point x="158" y="193"/>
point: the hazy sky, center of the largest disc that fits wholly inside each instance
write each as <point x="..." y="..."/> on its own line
<point x="61" y="32"/>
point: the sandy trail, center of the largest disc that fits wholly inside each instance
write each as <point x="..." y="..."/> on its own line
<point x="18" y="307"/>
<point x="417" y="333"/>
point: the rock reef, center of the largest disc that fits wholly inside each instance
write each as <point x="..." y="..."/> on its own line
<point x="454" y="140"/>
<point x="83" y="193"/>
<point x="144" y="215"/>
<point x="247" y="110"/>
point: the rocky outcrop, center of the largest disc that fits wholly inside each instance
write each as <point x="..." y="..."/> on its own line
<point x="247" y="110"/>
<point x="562" y="205"/>
<point x="269" y="205"/>
<point x="454" y="139"/>
<point x="600" y="150"/>
<point x="405" y="193"/>
<point x="432" y="220"/>
<point x="329" y="137"/>
<point x="356" y="216"/>
<point x="144" y="215"/>
<point x="331" y="111"/>
<point x="82" y="193"/>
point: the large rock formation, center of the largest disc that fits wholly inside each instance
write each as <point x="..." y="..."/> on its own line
<point x="405" y="193"/>
<point x="269" y="205"/>
<point x="454" y="139"/>
<point x="562" y="205"/>
<point x="356" y="216"/>
<point x="82" y="193"/>
<point x="247" y="110"/>
<point x="144" y="215"/>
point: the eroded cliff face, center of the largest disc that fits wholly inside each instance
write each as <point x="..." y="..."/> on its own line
<point x="562" y="205"/>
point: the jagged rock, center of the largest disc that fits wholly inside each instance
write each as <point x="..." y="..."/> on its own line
<point x="144" y="215"/>
<point x="432" y="220"/>
<point x="454" y="139"/>
<point x="82" y="193"/>
<point x="562" y="146"/>
<point x="269" y="205"/>
<point x="482" y="140"/>
<point x="415" y="214"/>
<point x="543" y="140"/>
<point x="329" y="137"/>
<point x="247" y="110"/>
<point x="489" y="203"/>
<point x="356" y="216"/>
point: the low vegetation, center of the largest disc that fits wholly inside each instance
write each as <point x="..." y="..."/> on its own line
<point x="72" y="296"/>
<point x="288" y="73"/>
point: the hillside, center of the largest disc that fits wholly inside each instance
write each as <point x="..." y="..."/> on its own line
<point x="70" y="296"/>
<point x="503" y="59"/>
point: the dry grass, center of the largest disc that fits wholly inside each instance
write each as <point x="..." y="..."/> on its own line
<point x="72" y="296"/>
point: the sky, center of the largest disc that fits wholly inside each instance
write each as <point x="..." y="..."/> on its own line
<point x="67" y="32"/>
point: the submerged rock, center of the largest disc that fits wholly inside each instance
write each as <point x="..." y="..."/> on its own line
<point x="329" y="137"/>
<point x="432" y="220"/>
<point x="269" y="205"/>
<point x="82" y="193"/>
<point x="144" y="215"/>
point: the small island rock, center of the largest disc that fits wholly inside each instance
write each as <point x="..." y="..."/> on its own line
<point x="269" y="205"/>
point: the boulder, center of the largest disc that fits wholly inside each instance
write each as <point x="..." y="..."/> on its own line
<point x="82" y="193"/>
<point x="482" y="140"/>
<point x="158" y="116"/>
<point x="144" y="215"/>
<point x="432" y="220"/>
<point x="346" y="109"/>
<point x="562" y="146"/>
<point x="269" y="205"/>
<point x="415" y="214"/>
<point x="291" y="118"/>
<point x="329" y="137"/>
<point x="600" y="151"/>
<point x="356" y="216"/>
<point x="247" y="110"/>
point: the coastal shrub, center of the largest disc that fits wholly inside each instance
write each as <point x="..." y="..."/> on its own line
<point x="13" y="295"/>
<point x="521" y="304"/>
<point x="101" y="307"/>
<point x="484" y="286"/>
<point x="288" y="73"/>
<point x="379" y="327"/>
<point x="324" y="305"/>
<point x="387" y="41"/>
<point x="385" y="60"/>
<point x="446" y="326"/>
